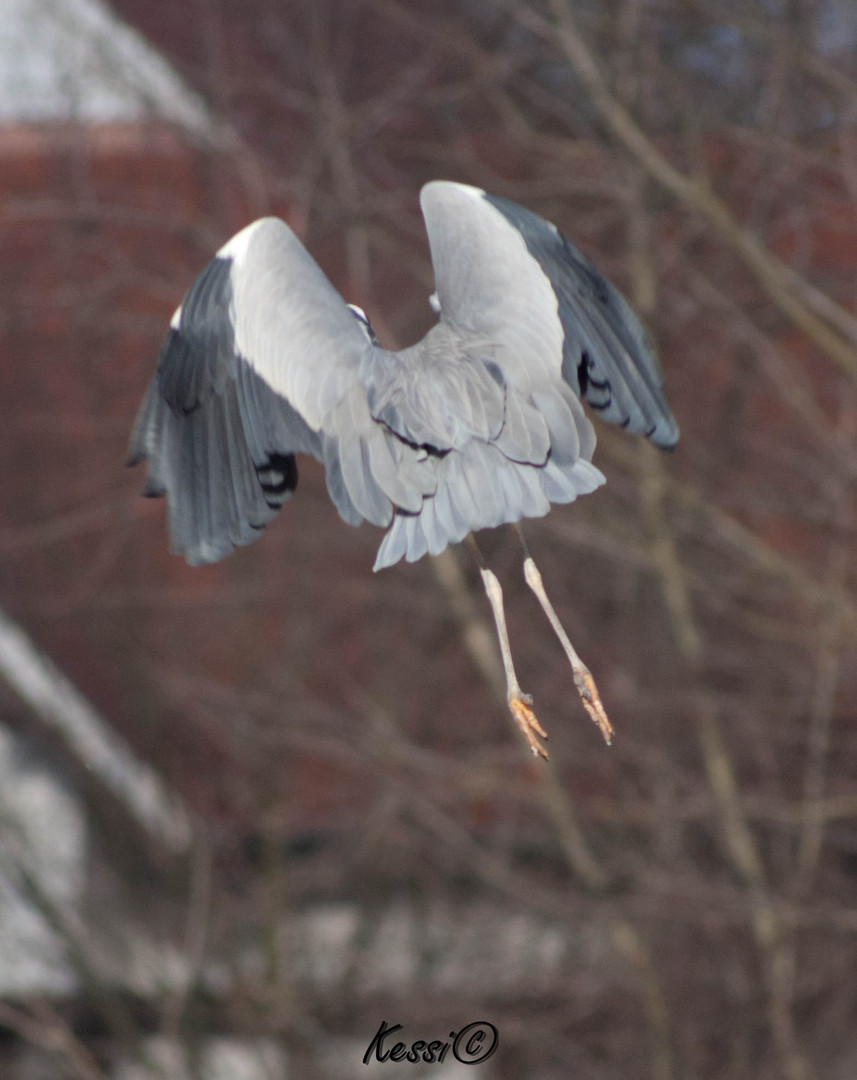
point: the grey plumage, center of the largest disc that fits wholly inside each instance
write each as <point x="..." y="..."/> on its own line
<point x="478" y="424"/>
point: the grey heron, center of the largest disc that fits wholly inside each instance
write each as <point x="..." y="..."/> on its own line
<point x="478" y="424"/>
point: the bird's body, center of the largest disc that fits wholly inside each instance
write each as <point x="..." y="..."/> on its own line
<point x="478" y="424"/>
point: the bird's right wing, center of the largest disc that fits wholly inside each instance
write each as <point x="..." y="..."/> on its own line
<point x="262" y="361"/>
<point x="504" y="273"/>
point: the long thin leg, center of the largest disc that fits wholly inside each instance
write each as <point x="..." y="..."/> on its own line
<point x="582" y="675"/>
<point x="520" y="704"/>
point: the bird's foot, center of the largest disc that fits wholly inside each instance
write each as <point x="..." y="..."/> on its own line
<point x="520" y="705"/>
<point x="592" y="701"/>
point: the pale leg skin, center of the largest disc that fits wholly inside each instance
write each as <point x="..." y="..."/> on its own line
<point x="520" y="703"/>
<point x="582" y="675"/>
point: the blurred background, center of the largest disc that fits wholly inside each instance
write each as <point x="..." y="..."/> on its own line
<point x="249" y="811"/>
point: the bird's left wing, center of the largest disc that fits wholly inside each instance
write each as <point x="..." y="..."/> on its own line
<point x="262" y="361"/>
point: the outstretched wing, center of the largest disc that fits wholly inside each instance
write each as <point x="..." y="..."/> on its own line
<point x="505" y="273"/>
<point x="262" y="362"/>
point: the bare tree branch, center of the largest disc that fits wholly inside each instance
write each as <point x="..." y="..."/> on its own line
<point x="61" y="706"/>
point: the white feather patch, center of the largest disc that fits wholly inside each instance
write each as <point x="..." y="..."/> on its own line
<point x="469" y="189"/>
<point x="236" y="248"/>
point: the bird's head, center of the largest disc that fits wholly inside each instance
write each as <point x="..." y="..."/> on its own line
<point x="361" y="316"/>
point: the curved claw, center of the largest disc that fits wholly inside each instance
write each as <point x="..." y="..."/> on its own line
<point x="592" y="702"/>
<point x="527" y="721"/>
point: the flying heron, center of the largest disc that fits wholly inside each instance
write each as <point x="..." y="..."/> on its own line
<point x="477" y="425"/>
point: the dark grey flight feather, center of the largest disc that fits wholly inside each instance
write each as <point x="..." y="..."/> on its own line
<point x="478" y="424"/>
<point x="608" y="356"/>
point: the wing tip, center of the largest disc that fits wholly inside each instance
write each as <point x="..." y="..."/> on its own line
<point x="665" y="436"/>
